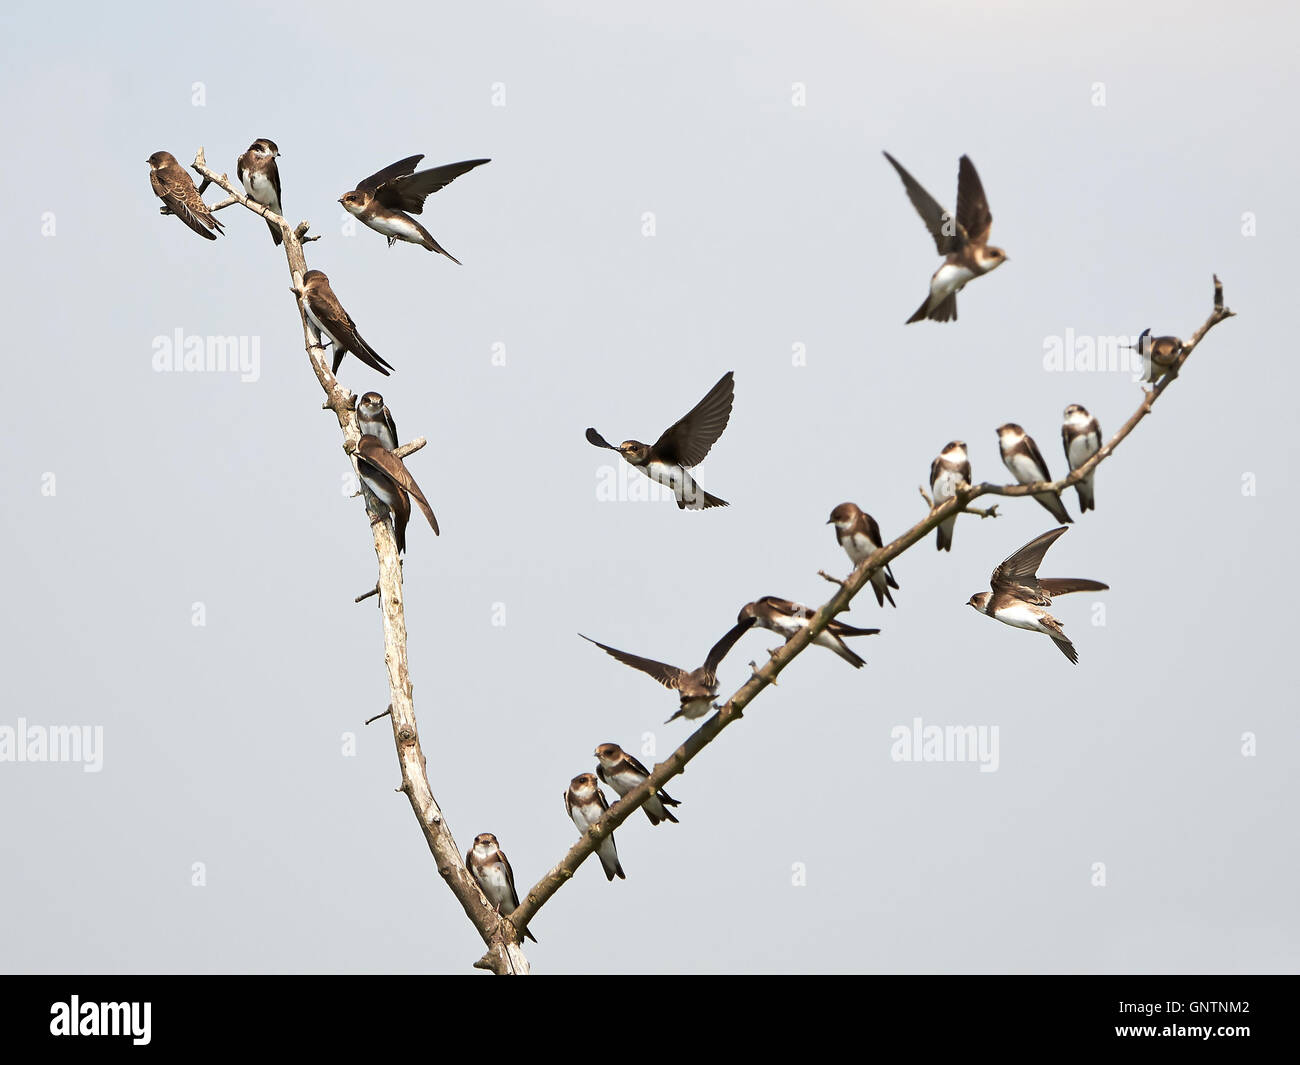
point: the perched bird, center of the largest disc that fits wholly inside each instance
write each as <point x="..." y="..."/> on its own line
<point x="381" y="200"/>
<point x="683" y="444"/>
<point x="335" y="324"/>
<point x="1081" y="437"/>
<point x="489" y="866"/>
<point x="176" y="189"/>
<point x="391" y="482"/>
<point x="859" y="535"/>
<point x="261" y="179"/>
<point x="963" y="241"/>
<point x="698" y="687"/>
<point x="1021" y="456"/>
<point x="947" y="472"/>
<point x="623" y="773"/>
<point x="1020" y="597"/>
<point x="1159" y="355"/>
<point x="787" y="618"/>
<point x="375" y="419"/>
<point x="585" y="802"/>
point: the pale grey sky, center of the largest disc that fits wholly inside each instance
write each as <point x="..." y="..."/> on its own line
<point x="1126" y="151"/>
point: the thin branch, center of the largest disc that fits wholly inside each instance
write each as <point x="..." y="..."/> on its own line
<point x="676" y="763"/>
<point x="504" y="954"/>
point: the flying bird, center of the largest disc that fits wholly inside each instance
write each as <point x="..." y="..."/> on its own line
<point x="1021" y="456"/>
<point x="698" y="687"/>
<point x="624" y="773"/>
<point x="382" y="200"/>
<point x="682" y="445"/>
<point x="859" y="535"/>
<point x="947" y="472"/>
<point x="375" y="419"/>
<point x="489" y="866"/>
<point x="175" y="188"/>
<point x="963" y="241"/>
<point x="787" y="618"/>
<point x="585" y="803"/>
<point x="261" y="179"/>
<point x="391" y="482"/>
<point x="1081" y="437"/>
<point x="335" y="324"/>
<point x="1020" y="597"/>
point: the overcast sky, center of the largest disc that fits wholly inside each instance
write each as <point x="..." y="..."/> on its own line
<point x="181" y="555"/>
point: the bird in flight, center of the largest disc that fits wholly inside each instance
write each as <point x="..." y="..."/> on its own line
<point x="682" y="445"/>
<point x="1020" y="597"/>
<point x="962" y="241"/>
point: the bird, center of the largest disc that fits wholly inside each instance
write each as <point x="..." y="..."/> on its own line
<point x="1021" y="456"/>
<point x="947" y="472"/>
<point x="375" y="419"/>
<point x="1020" y="597"/>
<point x="697" y="688"/>
<point x="176" y="189"/>
<point x="489" y="866"/>
<point x="585" y="803"/>
<point x="1081" y="438"/>
<point x="623" y="773"/>
<point x="261" y="179"/>
<point x="1159" y="355"/>
<point x="859" y="535"/>
<point x="391" y="482"/>
<point x="963" y="242"/>
<point x="335" y="324"/>
<point x="682" y="444"/>
<point x="787" y="618"/>
<point x="382" y="200"/>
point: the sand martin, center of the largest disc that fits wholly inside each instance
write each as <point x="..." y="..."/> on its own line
<point x="963" y="241"/>
<point x="1159" y="355"/>
<point x="261" y="179"/>
<point x="488" y="864"/>
<point x="585" y="802"/>
<point x="859" y="535"/>
<point x="388" y="478"/>
<point x="375" y="419"/>
<point x="176" y="189"/>
<point x="683" y="444"/>
<point x="787" y="618"/>
<point x="381" y="200"/>
<point x="1020" y="597"/>
<point x="1021" y="456"/>
<point x="950" y="470"/>
<point x="1081" y="436"/>
<point x="335" y="324"/>
<point x="623" y="773"/>
<point x="698" y="687"/>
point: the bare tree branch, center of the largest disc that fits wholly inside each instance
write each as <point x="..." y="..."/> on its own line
<point x="676" y="762"/>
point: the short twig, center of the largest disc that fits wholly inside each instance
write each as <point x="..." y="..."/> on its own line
<point x="367" y="595"/>
<point x="378" y="716"/>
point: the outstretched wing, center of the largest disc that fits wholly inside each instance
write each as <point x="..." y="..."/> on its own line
<point x="395" y="170"/>
<point x="725" y="644"/>
<point x="688" y="440"/>
<point x="668" y="676"/>
<point x="1054" y="586"/>
<point x="594" y="437"/>
<point x="373" y="452"/>
<point x="408" y="193"/>
<point x="1019" y="572"/>
<point x="942" y="226"/>
<point x="973" y="213"/>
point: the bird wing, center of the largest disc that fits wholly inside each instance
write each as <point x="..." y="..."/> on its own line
<point x="720" y="649"/>
<point x="395" y="170"/>
<point x="177" y="191"/>
<point x="1037" y="456"/>
<point x="594" y="437"/>
<point x="942" y="226"/>
<point x="510" y="878"/>
<point x="1019" y="571"/>
<point x="326" y="306"/>
<point x="668" y="676"/>
<point x="635" y="765"/>
<point x="373" y="452"/>
<point x="688" y="440"/>
<point x="973" y="213"/>
<point x="1054" y="586"/>
<point x="408" y="192"/>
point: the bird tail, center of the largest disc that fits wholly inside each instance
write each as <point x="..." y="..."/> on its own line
<point x="275" y="232"/>
<point x="1087" y="501"/>
<point x="945" y="530"/>
<point x="944" y="312"/>
<point x="841" y="648"/>
<point x="1053" y="505"/>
